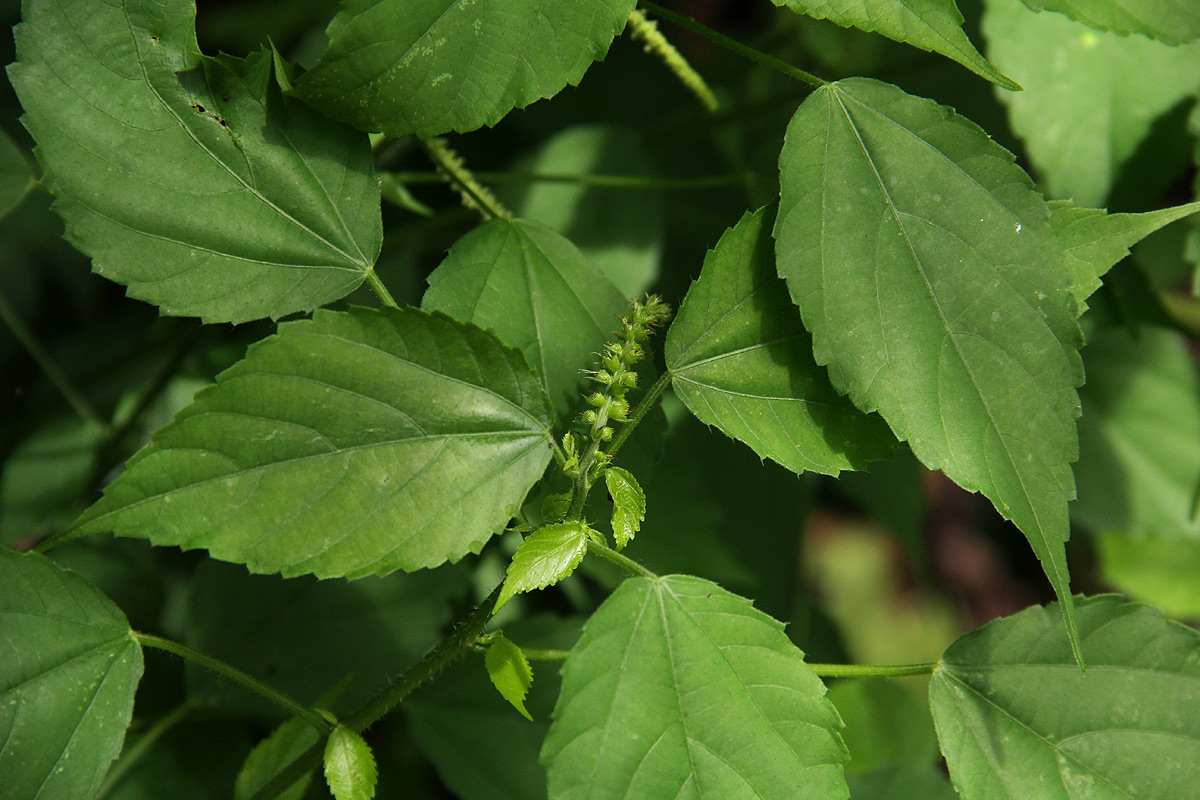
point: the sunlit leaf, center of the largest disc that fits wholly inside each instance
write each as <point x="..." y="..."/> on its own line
<point x="535" y="291"/>
<point x="1170" y="21"/>
<point x="936" y="294"/>
<point x="629" y="504"/>
<point x="928" y="24"/>
<point x="355" y="443"/>
<point x="69" y="666"/>
<point x="742" y="360"/>
<point x="349" y="766"/>
<point x="191" y="180"/>
<point x="1089" y="97"/>
<point x="680" y="689"/>
<point x="433" y="66"/>
<point x="509" y="672"/>
<point x="1017" y="720"/>
<point x="548" y="555"/>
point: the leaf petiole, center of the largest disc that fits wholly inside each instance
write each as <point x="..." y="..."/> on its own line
<point x="871" y="670"/>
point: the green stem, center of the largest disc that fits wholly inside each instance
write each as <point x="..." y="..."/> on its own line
<point x="460" y="640"/>
<point x="537" y="654"/>
<point x="639" y="413"/>
<point x="730" y="44"/>
<point x="647" y="30"/>
<point x="580" y="487"/>
<point x="623" y="561"/>
<point x="871" y="671"/>
<point x="380" y="290"/>
<point x="237" y="676"/>
<point x="131" y="756"/>
<point x="604" y="181"/>
<point x="50" y="367"/>
<point x="474" y="194"/>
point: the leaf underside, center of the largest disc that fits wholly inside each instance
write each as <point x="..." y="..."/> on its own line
<point x="937" y="295"/>
<point x="69" y="667"/>
<point x="1016" y="718"/>
<point x="741" y="360"/>
<point x="509" y="672"/>
<point x="192" y="181"/>
<point x="433" y="66"/>
<point x="355" y="443"/>
<point x="680" y="689"/>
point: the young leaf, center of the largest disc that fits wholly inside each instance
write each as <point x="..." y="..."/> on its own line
<point x="1016" y="719"/>
<point x="937" y="294"/>
<point x="272" y="755"/>
<point x="680" y="689"/>
<point x="629" y="504"/>
<point x="1100" y="239"/>
<point x="355" y="443"/>
<point x="192" y="181"/>
<point x="349" y="766"/>
<point x="1090" y="97"/>
<point x="548" y="555"/>
<point x="742" y="360"/>
<point x="433" y="66"/>
<point x="1170" y="21"/>
<point x="509" y="671"/>
<point x="537" y="292"/>
<point x="928" y="24"/>
<point x="69" y="667"/>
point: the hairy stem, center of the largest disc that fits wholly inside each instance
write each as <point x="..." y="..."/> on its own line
<point x="639" y="413"/>
<point x="604" y="181"/>
<point x="132" y="755"/>
<point x="474" y="194"/>
<point x="647" y="31"/>
<point x="745" y="51"/>
<point x="380" y="290"/>
<point x="237" y="676"/>
<point x="460" y="640"/>
<point x="51" y="369"/>
<point x="623" y="561"/>
<point x="871" y="671"/>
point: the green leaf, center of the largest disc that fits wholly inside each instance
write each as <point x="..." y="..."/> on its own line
<point x="365" y="630"/>
<point x="1090" y="97"/>
<point x="15" y="177"/>
<point x="937" y="294"/>
<point x="680" y="689"/>
<point x="69" y="667"/>
<point x="355" y="443"/>
<point x="934" y="25"/>
<point x="433" y="66"/>
<point x="192" y="181"/>
<point x="620" y="228"/>
<point x="509" y="671"/>
<point x="272" y="755"/>
<point x="349" y="766"/>
<point x="43" y="478"/>
<point x="547" y="555"/>
<point x="1100" y="239"/>
<point x="629" y="504"/>
<point x="885" y="725"/>
<point x="1016" y="719"/>
<point x="1160" y="570"/>
<point x="537" y="292"/>
<point x="742" y="361"/>
<point x="1170" y="21"/>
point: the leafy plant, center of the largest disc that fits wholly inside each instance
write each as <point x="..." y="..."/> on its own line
<point x="366" y="495"/>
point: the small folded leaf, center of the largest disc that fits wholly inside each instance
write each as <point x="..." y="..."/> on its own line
<point x="1017" y="720"/>
<point x="272" y="755"/>
<point x="193" y="181"/>
<point x="679" y="688"/>
<point x="433" y="66"/>
<point x="69" y="667"/>
<point x="937" y="294"/>
<point x="349" y="766"/>
<point x="355" y="443"/>
<point x="1170" y="21"/>
<point x="928" y="24"/>
<point x="1089" y="97"/>
<point x="510" y="672"/>
<point x="629" y="504"/>
<point x="537" y="293"/>
<point x="547" y="555"/>
<point x="741" y="360"/>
